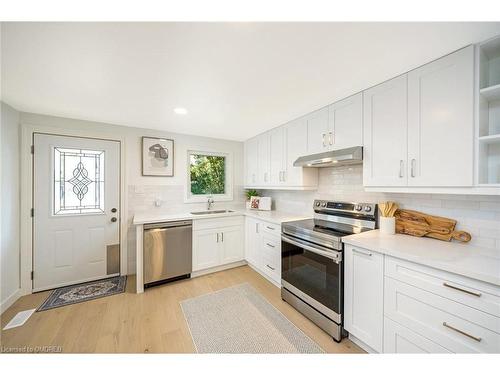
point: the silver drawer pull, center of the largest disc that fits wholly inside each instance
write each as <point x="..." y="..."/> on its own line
<point x="478" y="339"/>
<point x="462" y="290"/>
<point x="268" y="244"/>
<point x="270" y="228"/>
<point x="362" y="252"/>
<point x="272" y="268"/>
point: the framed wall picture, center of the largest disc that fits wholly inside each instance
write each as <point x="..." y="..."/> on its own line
<point x="157" y="157"/>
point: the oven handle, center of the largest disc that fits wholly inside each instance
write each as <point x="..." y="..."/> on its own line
<point x="335" y="256"/>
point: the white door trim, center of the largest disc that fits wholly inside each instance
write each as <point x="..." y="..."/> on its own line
<point x="27" y="134"/>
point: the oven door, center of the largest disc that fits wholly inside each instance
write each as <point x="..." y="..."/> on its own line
<point x="314" y="274"/>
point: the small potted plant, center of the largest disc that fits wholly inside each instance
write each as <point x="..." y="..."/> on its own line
<point x="249" y="194"/>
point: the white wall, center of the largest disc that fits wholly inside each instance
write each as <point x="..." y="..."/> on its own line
<point x="479" y="215"/>
<point x="9" y="205"/>
<point x="141" y="192"/>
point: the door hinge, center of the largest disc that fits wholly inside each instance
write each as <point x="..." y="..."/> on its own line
<point x="32" y="149"/>
<point x="32" y="212"/>
<point x="32" y="275"/>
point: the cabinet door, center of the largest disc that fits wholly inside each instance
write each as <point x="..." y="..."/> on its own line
<point x="317" y="131"/>
<point x="263" y="158"/>
<point x="441" y="121"/>
<point x="252" y="241"/>
<point x="231" y="239"/>
<point x="346" y="122"/>
<point x="296" y="145"/>
<point x="251" y="161"/>
<point x="206" y="249"/>
<point x="385" y="126"/>
<point x="364" y="298"/>
<point x="277" y="156"/>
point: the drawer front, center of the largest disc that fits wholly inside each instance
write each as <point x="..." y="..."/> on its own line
<point x="456" y="327"/>
<point x="269" y="228"/>
<point x="473" y="293"/>
<point x="271" y="256"/>
<point x="228" y="221"/>
<point x="399" y="339"/>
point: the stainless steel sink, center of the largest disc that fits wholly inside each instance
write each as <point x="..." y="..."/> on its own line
<point x="211" y="212"/>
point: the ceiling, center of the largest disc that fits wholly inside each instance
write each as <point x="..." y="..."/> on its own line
<point x="235" y="79"/>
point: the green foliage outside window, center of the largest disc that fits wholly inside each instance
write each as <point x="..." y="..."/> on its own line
<point x="208" y="174"/>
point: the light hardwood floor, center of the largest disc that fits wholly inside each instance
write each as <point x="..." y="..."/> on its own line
<point x="136" y="323"/>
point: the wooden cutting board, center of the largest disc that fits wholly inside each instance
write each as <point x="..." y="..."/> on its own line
<point x="420" y="224"/>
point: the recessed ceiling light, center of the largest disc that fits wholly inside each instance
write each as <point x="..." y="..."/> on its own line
<point x="180" y="111"/>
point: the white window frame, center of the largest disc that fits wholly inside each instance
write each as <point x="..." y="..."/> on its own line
<point x="228" y="196"/>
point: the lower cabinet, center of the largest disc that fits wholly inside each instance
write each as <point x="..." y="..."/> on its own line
<point x="396" y="306"/>
<point x="216" y="243"/>
<point x="364" y="295"/>
<point x="263" y="248"/>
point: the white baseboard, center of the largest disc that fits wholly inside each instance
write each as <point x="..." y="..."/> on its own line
<point x="9" y="301"/>
<point x="218" y="268"/>
<point x="362" y="345"/>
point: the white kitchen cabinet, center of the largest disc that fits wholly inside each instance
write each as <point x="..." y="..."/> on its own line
<point x="251" y="162"/>
<point x="231" y="239"/>
<point x="217" y="242"/>
<point x="441" y="121"/>
<point x="277" y="156"/>
<point x="252" y="241"/>
<point x="385" y="126"/>
<point x="345" y="119"/>
<point x="263" y="248"/>
<point x="206" y="249"/>
<point x="263" y="159"/>
<point x="363" y="295"/>
<point x="317" y="131"/>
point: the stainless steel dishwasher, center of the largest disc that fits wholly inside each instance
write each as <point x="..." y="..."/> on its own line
<point x="167" y="251"/>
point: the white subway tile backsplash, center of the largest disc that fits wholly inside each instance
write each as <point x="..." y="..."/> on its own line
<point x="479" y="215"/>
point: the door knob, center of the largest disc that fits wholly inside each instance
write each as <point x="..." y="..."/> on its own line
<point x="113" y="219"/>
<point x="113" y="210"/>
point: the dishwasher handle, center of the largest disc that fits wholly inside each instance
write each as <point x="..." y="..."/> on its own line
<point x="171" y="224"/>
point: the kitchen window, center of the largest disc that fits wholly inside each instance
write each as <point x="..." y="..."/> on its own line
<point x="209" y="175"/>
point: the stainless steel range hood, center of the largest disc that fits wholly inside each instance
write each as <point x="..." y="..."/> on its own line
<point x="346" y="156"/>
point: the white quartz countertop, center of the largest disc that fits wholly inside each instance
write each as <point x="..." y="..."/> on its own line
<point x="460" y="258"/>
<point x="276" y="217"/>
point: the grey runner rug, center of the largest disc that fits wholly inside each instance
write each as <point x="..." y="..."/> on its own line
<point x="239" y="320"/>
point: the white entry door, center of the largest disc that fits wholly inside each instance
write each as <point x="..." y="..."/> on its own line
<point x="76" y="185"/>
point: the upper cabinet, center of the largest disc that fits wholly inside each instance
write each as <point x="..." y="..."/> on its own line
<point x="318" y="132"/>
<point x="385" y="134"/>
<point x="418" y="128"/>
<point x="337" y="126"/>
<point x="263" y="159"/>
<point x="345" y="123"/>
<point x="251" y="162"/>
<point x="441" y="121"/>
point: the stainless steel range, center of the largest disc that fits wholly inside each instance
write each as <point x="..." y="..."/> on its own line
<point x="312" y="270"/>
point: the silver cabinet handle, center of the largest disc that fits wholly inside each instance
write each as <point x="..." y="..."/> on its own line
<point x="324" y="136"/>
<point x="222" y="236"/>
<point x="413" y="167"/>
<point x="477" y="294"/>
<point x="217" y="237"/>
<point x="362" y="252"/>
<point x="272" y="268"/>
<point x="281" y="176"/>
<point x="478" y="339"/>
<point x="401" y="165"/>
<point x="270" y="228"/>
<point x="284" y="178"/>
<point x="256" y="227"/>
<point x="268" y="244"/>
<point x="330" y="136"/>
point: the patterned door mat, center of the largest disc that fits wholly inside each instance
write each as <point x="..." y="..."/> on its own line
<point x="77" y="293"/>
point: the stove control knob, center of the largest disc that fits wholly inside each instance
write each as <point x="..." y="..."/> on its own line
<point x="368" y="208"/>
<point x="323" y="204"/>
<point x="358" y="207"/>
<point x="317" y="204"/>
